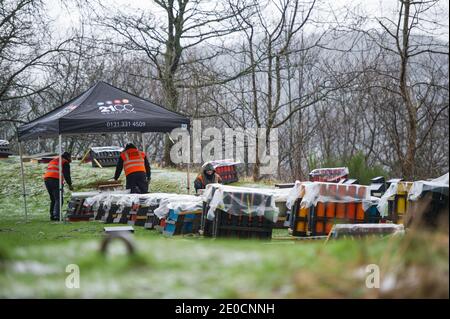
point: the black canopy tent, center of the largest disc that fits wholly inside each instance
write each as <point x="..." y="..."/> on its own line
<point x="102" y="108"/>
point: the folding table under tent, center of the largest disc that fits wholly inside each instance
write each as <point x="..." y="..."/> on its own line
<point x="103" y="108"/>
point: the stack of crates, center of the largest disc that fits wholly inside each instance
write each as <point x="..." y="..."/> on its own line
<point x="377" y="186"/>
<point x="99" y="211"/>
<point x="182" y="222"/>
<point x="151" y="219"/>
<point x="111" y="210"/>
<point x="227" y="173"/>
<point x="4" y="149"/>
<point x="329" y="175"/>
<point x="318" y="220"/>
<point x="123" y="211"/>
<point x="237" y="221"/>
<point x="226" y="169"/>
<point x="76" y="210"/>
<point x="107" y="156"/>
<point x="398" y="204"/>
<point x="249" y="226"/>
<point x="138" y="214"/>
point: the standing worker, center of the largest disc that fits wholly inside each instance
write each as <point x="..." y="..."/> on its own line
<point x="208" y="176"/>
<point x="51" y="178"/>
<point x="136" y="167"/>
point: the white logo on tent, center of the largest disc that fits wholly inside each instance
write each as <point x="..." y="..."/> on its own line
<point x="119" y="106"/>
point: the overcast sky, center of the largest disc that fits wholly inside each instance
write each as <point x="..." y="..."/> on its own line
<point x="66" y="18"/>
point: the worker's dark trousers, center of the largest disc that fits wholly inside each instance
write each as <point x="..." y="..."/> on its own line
<point x="52" y="185"/>
<point x="137" y="182"/>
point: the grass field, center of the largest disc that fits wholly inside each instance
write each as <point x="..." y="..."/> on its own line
<point x="34" y="255"/>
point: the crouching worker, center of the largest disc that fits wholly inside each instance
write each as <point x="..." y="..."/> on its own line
<point x="136" y="167"/>
<point x="51" y="178"/>
<point x="208" y="176"/>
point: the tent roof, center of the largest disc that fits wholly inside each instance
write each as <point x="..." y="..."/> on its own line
<point x="104" y="108"/>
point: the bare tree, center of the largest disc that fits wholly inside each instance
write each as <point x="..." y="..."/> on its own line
<point x="408" y="39"/>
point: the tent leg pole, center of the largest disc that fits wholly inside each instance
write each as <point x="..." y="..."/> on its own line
<point x="22" y="171"/>
<point x="188" y="167"/>
<point x="143" y="143"/>
<point x="60" y="178"/>
<point x="188" y="179"/>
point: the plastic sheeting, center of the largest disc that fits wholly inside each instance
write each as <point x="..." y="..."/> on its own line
<point x="437" y="185"/>
<point x="295" y="193"/>
<point x="243" y="200"/>
<point x="338" y="193"/>
<point x="280" y="194"/>
<point x="329" y="174"/>
<point x="383" y="203"/>
<point x="127" y="201"/>
<point x="95" y="201"/>
<point x="180" y="203"/>
<point x="84" y="194"/>
<point x="153" y="199"/>
<point x="111" y="199"/>
<point x="220" y="163"/>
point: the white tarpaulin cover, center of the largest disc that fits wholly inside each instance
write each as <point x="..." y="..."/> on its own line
<point x="314" y="193"/>
<point x="153" y="199"/>
<point x="294" y="193"/>
<point x="95" y="201"/>
<point x="243" y="200"/>
<point x="439" y="185"/>
<point x="383" y="203"/>
<point x="84" y="194"/>
<point x="181" y="203"/>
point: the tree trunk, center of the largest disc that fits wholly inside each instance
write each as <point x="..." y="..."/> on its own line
<point x="408" y="164"/>
<point x="171" y="95"/>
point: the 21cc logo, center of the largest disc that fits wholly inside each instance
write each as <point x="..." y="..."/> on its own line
<point x="116" y="108"/>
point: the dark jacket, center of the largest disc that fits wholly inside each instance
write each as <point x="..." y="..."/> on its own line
<point x="204" y="179"/>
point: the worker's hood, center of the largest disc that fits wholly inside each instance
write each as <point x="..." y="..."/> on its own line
<point x="208" y="167"/>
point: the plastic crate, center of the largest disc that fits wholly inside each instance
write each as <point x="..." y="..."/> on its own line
<point x="250" y="226"/>
<point x="227" y="173"/>
<point x="398" y="204"/>
<point x="76" y="211"/>
<point x="151" y="219"/>
<point x="110" y="214"/>
<point x="122" y="215"/>
<point x="138" y="215"/>
<point x="99" y="212"/>
<point x="319" y="220"/>
<point x="180" y="223"/>
<point x="106" y="158"/>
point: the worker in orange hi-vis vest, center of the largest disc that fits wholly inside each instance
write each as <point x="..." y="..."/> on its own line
<point x="51" y="178"/>
<point x="136" y="167"/>
<point x="208" y="176"/>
